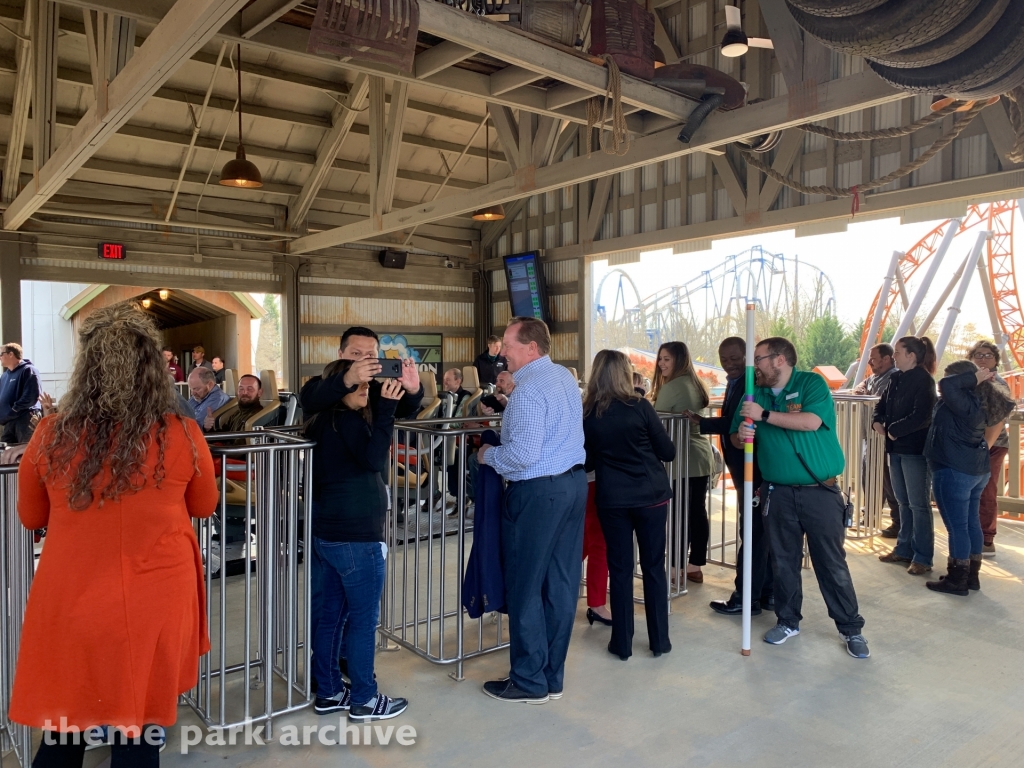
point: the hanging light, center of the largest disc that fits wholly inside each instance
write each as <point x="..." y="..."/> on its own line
<point x="240" y="172"/>
<point x="164" y="294"/>
<point x="147" y="303"/>
<point x="491" y="212"/>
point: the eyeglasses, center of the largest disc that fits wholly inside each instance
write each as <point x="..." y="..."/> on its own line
<point x="757" y="360"/>
<point x="983" y="356"/>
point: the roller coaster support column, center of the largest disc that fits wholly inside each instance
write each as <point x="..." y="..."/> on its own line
<point x="926" y="284"/>
<point x="748" y="488"/>
<point x="961" y="291"/>
<point x="993" y="315"/>
<point x="876" y="319"/>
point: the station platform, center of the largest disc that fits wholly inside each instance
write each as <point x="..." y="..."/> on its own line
<point x="943" y="687"/>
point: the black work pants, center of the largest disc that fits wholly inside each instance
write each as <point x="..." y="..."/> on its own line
<point x="619" y="526"/>
<point x="762" y="582"/>
<point x="794" y="511"/>
<point x="20" y="428"/>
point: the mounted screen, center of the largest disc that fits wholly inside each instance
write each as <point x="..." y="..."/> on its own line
<point x="527" y="291"/>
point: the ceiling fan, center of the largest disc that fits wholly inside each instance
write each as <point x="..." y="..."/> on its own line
<point x="734" y="41"/>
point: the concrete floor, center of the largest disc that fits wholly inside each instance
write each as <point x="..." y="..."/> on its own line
<point x="944" y="687"/>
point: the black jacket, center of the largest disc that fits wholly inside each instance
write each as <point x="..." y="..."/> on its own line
<point x="905" y="410"/>
<point x="722" y="425"/>
<point x="19" y="391"/>
<point x="626" y="447"/>
<point x="956" y="438"/>
<point x="319" y="394"/>
<point x="349" y="497"/>
<point x="488" y="368"/>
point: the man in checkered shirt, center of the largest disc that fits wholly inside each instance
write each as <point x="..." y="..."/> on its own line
<point x="541" y="457"/>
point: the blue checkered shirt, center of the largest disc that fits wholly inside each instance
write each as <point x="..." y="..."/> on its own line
<point x="542" y="427"/>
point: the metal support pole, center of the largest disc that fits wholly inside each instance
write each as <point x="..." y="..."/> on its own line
<point x="961" y="291"/>
<point x="998" y="336"/>
<point x="876" y="319"/>
<point x="748" y="488"/>
<point x="926" y="284"/>
<point x="945" y="295"/>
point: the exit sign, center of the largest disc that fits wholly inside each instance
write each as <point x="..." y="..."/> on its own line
<point x="114" y="251"/>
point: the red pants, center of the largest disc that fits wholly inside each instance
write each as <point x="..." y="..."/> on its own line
<point x="993" y="489"/>
<point x="595" y="555"/>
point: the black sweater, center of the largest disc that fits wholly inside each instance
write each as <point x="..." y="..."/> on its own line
<point x="957" y="436"/>
<point x="348" y="463"/>
<point x="626" y="446"/>
<point x="905" y="410"/>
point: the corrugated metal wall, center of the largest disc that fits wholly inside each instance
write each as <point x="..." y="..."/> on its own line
<point x="424" y="300"/>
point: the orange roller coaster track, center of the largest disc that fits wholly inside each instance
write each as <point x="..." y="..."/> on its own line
<point x="997" y="218"/>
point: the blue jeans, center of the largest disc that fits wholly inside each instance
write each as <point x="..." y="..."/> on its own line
<point x="958" y="496"/>
<point x="351" y="583"/>
<point x="911" y="483"/>
<point x="542" y="547"/>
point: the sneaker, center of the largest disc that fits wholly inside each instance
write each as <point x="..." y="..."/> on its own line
<point x="779" y="634"/>
<point x="733" y="607"/>
<point x="379" y="708"/>
<point x="340" y="703"/>
<point x="856" y="646"/>
<point x="988" y="550"/>
<point x="470" y="509"/>
<point x="506" y="690"/>
<point x="555" y="695"/>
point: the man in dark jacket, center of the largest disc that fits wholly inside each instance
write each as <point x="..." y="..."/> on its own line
<point x="490" y="362"/>
<point x="19" y="395"/>
<point x="732" y="353"/>
<point x="319" y="394"/>
<point x="883" y="368"/>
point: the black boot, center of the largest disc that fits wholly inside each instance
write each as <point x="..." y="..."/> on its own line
<point x="955" y="582"/>
<point x="973" y="581"/>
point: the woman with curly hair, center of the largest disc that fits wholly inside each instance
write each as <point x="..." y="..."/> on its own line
<point x="985" y="354"/>
<point x="116" y="617"/>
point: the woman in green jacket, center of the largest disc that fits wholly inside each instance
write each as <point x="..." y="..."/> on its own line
<point x="677" y="388"/>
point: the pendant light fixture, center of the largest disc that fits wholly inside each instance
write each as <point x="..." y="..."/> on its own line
<point x="491" y="212"/>
<point x="240" y="172"/>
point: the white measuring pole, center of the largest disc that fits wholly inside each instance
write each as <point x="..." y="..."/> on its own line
<point x="748" y="488"/>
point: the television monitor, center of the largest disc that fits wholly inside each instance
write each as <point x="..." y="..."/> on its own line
<point x="527" y="290"/>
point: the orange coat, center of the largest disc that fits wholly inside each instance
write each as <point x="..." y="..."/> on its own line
<point x="116" y="617"/>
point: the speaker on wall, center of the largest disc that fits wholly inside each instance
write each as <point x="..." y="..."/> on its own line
<point x="392" y="259"/>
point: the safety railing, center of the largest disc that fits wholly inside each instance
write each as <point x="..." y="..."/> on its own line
<point x="864" y="451"/>
<point x="16" y="571"/>
<point x="428" y="545"/>
<point x="678" y="525"/>
<point x="1011" y="505"/>
<point x="258" y="666"/>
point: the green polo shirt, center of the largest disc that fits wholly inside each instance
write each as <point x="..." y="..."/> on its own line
<point x="777" y="448"/>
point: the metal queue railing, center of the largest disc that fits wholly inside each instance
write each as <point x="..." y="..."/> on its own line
<point x="16" y="571"/>
<point x="864" y="451"/>
<point x="428" y="546"/>
<point x="258" y="666"/>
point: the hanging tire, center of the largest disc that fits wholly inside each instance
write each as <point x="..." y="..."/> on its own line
<point x="996" y="55"/>
<point x="972" y="29"/>
<point x="894" y="26"/>
<point x="997" y="87"/>
<point x="827" y="8"/>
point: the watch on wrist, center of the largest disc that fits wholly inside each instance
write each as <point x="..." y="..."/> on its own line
<point x="764" y="415"/>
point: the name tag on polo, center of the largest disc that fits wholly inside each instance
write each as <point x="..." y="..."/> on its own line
<point x="795" y="394"/>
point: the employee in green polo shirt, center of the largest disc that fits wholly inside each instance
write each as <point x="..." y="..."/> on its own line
<point x="799" y="456"/>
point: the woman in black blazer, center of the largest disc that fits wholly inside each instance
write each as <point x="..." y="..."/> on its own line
<point x="626" y="445"/>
